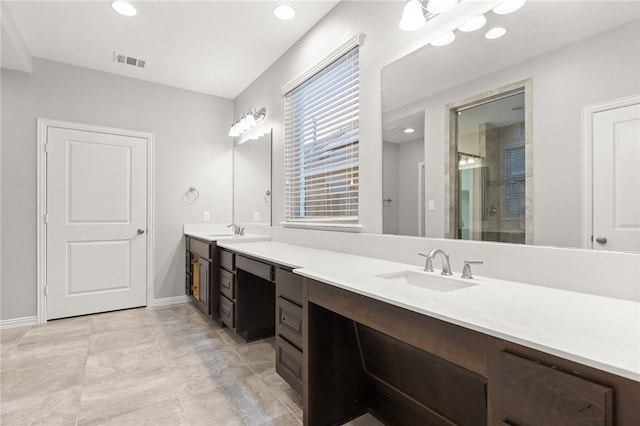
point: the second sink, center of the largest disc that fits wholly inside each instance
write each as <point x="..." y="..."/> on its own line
<point x="426" y="281"/>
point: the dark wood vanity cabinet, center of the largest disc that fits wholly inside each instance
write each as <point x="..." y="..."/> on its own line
<point x="200" y="277"/>
<point x="289" y="324"/>
<point x="361" y="354"/>
<point x="246" y="295"/>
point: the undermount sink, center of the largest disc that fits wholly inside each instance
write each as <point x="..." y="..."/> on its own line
<point x="428" y="281"/>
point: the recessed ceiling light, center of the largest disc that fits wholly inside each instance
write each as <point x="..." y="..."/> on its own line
<point x="473" y="24"/>
<point x="444" y="39"/>
<point x="509" y="6"/>
<point x="441" y="6"/>
<point x="495" y="33"/>
<point x="284" y="12"/>
<point x="409" y="130"/>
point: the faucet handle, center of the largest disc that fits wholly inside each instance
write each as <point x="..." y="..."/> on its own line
<point x="428" y="265"/>
<point x="466" y="271"/>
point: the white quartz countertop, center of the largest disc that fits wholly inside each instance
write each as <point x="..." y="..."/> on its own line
<point x="597" y="331"/>
<point x="228" y="237"/>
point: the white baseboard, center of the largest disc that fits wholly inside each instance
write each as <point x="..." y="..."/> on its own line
<point x="168" y="301"/>
<point x="18" y="322"/>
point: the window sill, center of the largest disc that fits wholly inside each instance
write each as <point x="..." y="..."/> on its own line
<point x="331" y="226"/>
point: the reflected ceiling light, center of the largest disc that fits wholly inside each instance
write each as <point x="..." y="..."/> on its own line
<point x="444" y="39"/>
<point x="409" y="130"/>
<point x="473" y="24"/>
<point x="247" y="121"/>
<point x="509" y="6"/>
<point x="495" y="33"/>
<point x="284" y="12"/>
<point x="412" y="16"/>
<point x="441" y="6"/>
<point x="123" y="8"/>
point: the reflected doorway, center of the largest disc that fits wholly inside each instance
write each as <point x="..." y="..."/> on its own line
<point x="489" y="169"/>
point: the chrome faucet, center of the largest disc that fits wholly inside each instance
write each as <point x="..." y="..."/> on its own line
<point x="428" y="266"/>
<point x="237" y="229"/>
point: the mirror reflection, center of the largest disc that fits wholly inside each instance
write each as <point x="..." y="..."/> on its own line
<point x="252" y="181"/>
<point x="581" y="59"/>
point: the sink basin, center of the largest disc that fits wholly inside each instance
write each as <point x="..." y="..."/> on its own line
<point x="428" y="281"/>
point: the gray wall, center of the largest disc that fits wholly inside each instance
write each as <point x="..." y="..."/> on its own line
<point x="409" y="155"/>
<point x="191" y="147"/>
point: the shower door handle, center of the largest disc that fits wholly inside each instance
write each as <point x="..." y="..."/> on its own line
<point x="601" y="240"/>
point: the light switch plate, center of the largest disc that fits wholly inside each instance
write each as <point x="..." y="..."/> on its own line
<point x="206" y="216"/>
<point x="432" y="205"/>
<point x="256" y="215"/>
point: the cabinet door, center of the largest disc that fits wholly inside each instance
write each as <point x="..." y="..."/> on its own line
<point x="537" y="395"/>
<point x="204" y="267"/>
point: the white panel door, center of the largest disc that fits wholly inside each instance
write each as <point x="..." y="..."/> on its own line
<point x="616" y="179"/>
<point x="96" y="222"/>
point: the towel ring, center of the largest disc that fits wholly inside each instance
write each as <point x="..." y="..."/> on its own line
<point x="192" y="193"/>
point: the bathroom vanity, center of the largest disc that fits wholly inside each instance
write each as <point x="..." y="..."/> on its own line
<point x="497" y="353"/>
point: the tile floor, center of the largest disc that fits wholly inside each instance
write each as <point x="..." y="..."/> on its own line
<point x="162" y="366"/>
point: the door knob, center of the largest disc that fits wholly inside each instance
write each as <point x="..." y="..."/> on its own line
<point x="601" y="240"/>
<point x="140" y="231"/>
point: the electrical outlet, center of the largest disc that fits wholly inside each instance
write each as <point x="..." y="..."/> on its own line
<point x="256" y="215"/>
<point x="206" y="217"/>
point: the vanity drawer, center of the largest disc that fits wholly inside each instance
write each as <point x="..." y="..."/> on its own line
<point x="227" y="260"/>
<point x="200" y="248"/>
<point x="227" y="284"/>
<point x="259" y="269"/>
<point x="289" y="363"/>
<point x="535" y="395"/>
<point x="227" y="312"/>
<point x="289" y="321"/>
<point x="289" y="286"/>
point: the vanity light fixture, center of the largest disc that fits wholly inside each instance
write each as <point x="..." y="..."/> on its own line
<point x="247" y="121"/>
<point x="444" y="39"/>
<point x="413" y="14"/>
<point x="409" y="130"/>
<point x="473" y="24"/>
<point x="284" y="12"/>
<point x="124" y="8"/>
<point x="441" y="6"/>
<point x="495" y="33"/>
<point x="509" y="6"/>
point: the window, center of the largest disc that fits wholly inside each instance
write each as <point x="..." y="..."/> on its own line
<point x="321" y="144"/>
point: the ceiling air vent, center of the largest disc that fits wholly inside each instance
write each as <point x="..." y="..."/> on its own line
<point x="129" y="60"/>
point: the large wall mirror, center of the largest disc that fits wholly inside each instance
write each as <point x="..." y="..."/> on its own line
<point x="495" y="140"/>
<point x="252" y="181"/>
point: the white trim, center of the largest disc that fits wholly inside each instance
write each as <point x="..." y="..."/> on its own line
<point x="16" y="40"/>
<point x="41" y="204"/>
<point x="587" y="160"/>
<point x="324" y="226"/>
<point x="18" y="322"/>
<point x="169" y="301"/>
<point x="422" y="208"/>
<point x="355" y="40"/>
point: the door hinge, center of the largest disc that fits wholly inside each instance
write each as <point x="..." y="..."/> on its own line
<point x="46" y="147"/>
<point x="46" y="218"/>
<point x="46" y="290"/>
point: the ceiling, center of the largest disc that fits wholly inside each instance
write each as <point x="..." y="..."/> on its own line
<point x="213" y="47"/>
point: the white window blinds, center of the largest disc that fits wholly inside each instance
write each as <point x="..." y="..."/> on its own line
<point x="321" y="144"/>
